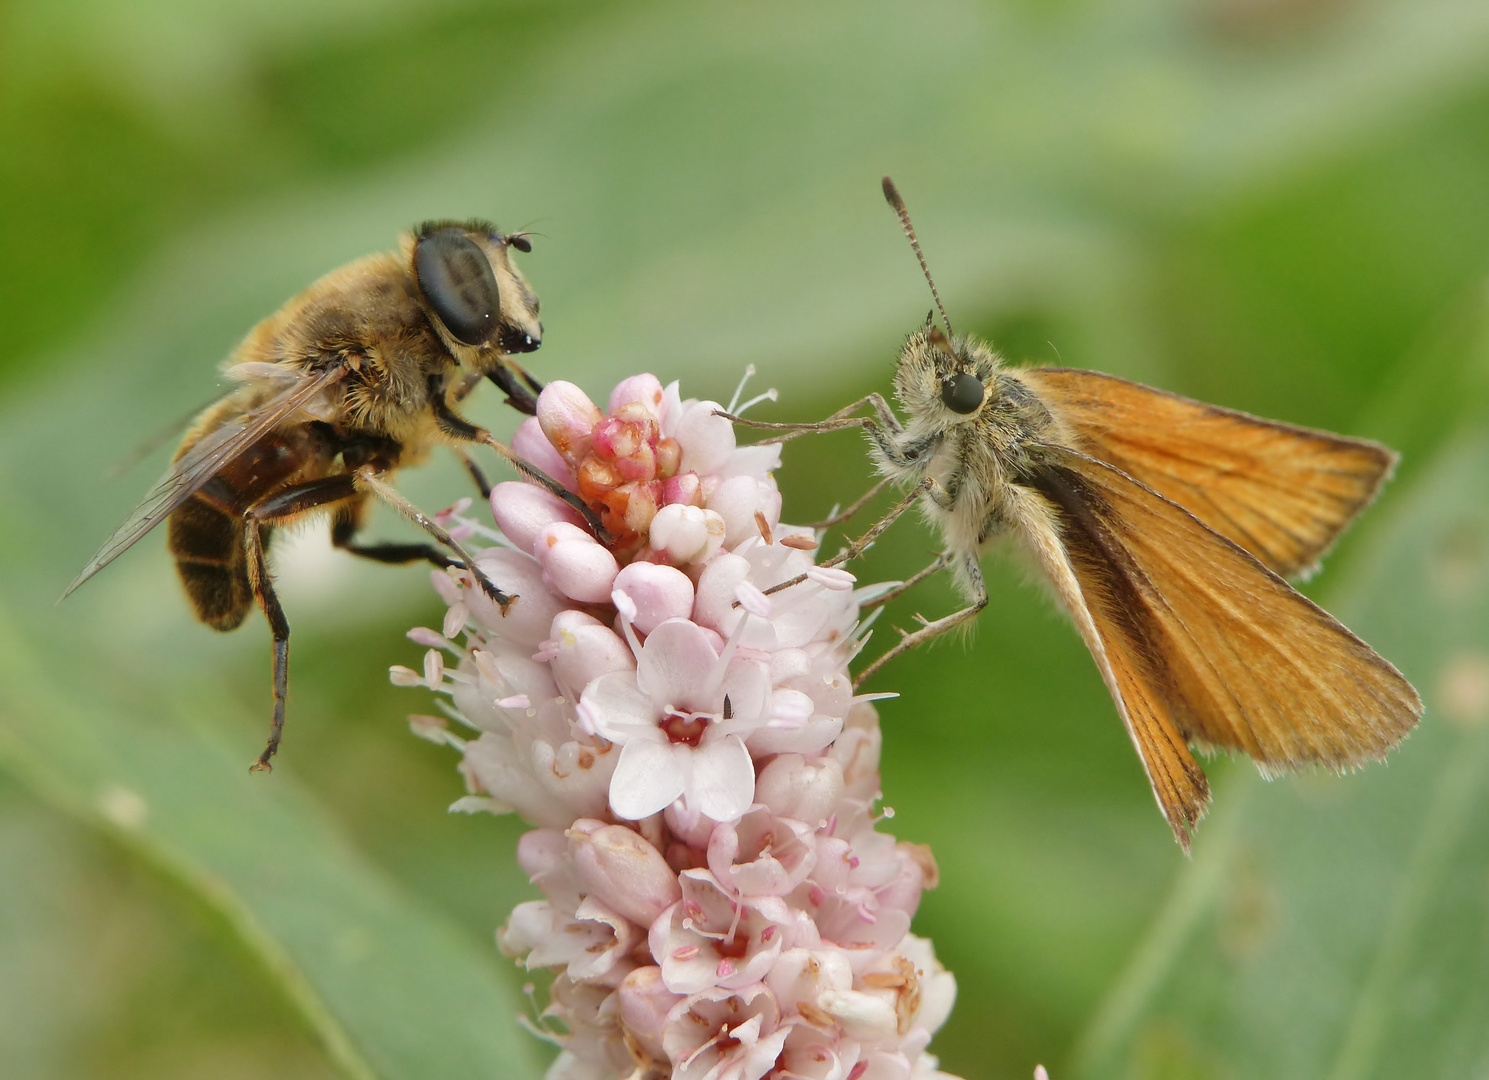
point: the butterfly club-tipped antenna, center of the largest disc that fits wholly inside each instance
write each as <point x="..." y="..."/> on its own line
<point x="892" y="196"/>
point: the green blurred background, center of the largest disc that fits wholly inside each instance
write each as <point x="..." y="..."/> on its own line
<point x="1278" y="205"/>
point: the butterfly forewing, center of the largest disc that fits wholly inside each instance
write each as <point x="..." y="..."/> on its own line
<point x="1283" y="493"/>
<point x="202" y="462"/>
<point x="1235" y="657"/>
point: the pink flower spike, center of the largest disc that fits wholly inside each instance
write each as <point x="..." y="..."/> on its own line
<point x="719" y="897"/>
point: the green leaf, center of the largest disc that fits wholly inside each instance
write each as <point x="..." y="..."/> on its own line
<point x="392" y="990"/>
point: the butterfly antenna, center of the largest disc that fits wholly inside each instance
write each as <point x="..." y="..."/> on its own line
<point x="892" y="196"/>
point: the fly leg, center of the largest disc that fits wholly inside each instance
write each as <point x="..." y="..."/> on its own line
<point x="520" y="387"/>
<point x="929" y="629"/>
<point x="457" y="427"/>
<point x="368" y="479"/>
<point x="281" y="506"/>
<point x="476" y="474"/>
<point x="345" y="527"/>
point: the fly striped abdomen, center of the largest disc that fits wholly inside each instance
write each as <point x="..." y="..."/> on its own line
<point x="205" y="533"/>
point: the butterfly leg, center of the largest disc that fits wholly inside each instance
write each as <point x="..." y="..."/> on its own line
<point x="857" y="547"/>
<point x="837" y="517"/>
<point x="941" y="562"/>
<point x="368" y="479"/>
<point x="843" y="418"/>
<point x="928" y="630"/>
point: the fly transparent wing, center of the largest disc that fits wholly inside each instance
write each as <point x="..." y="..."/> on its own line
<point x="204" y="461"/>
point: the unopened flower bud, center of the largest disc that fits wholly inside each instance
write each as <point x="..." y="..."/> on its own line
<point x="623" y="870"/>
<point x="532" y="446"/>
<point x="568" y="418"/>
<point x="524" y="510"/>
<point x="574" y="563"/>
<point x="683" y="488"/>
<point x="865" y="1017"/>
<point x="794" y="788"/>
<point x="644" y="1004"/>
<point x="643" y="390"/>
<point x="655" y="592"/>
<point x="583" y="648"/>
<point x="686" y="533"/>
<point x="707" y="439"/>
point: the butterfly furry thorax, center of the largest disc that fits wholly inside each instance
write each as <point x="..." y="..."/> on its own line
<point x="973" y="457"/>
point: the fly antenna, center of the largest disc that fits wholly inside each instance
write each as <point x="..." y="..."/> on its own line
<point x="892" y="196"/>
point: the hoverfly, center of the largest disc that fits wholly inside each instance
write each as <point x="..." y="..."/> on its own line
<point x="349" y="381"/>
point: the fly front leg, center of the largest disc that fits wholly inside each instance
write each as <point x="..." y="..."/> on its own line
<point x="457" y="427"/>
<point x="520" y="387"/>
<point x="940" y="626"/>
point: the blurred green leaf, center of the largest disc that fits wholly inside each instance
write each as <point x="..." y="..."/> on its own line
<point x="391" y="989"/>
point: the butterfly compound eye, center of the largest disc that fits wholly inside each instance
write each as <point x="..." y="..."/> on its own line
<point x="962" y="393"/>
<point x="457" y="280"/>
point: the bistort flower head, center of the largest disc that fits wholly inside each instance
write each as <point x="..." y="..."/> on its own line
<point x="718" y="902"/>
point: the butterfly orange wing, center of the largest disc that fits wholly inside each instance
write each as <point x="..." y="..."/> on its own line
<point x="1283" y="493"/>
<point x="1200" y="643"/>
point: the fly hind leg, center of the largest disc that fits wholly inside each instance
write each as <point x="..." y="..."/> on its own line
<point x="280" y="506"/>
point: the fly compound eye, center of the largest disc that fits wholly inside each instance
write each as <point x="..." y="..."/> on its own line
<point x="962" y="393"/>
<point x="457" y="280"/>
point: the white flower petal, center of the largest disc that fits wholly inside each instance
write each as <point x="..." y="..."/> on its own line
<point x="614" y="708"/>
<point x="674" y="664"/>
<point x="723" y="782"/>
<point x="647" y="777"/>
